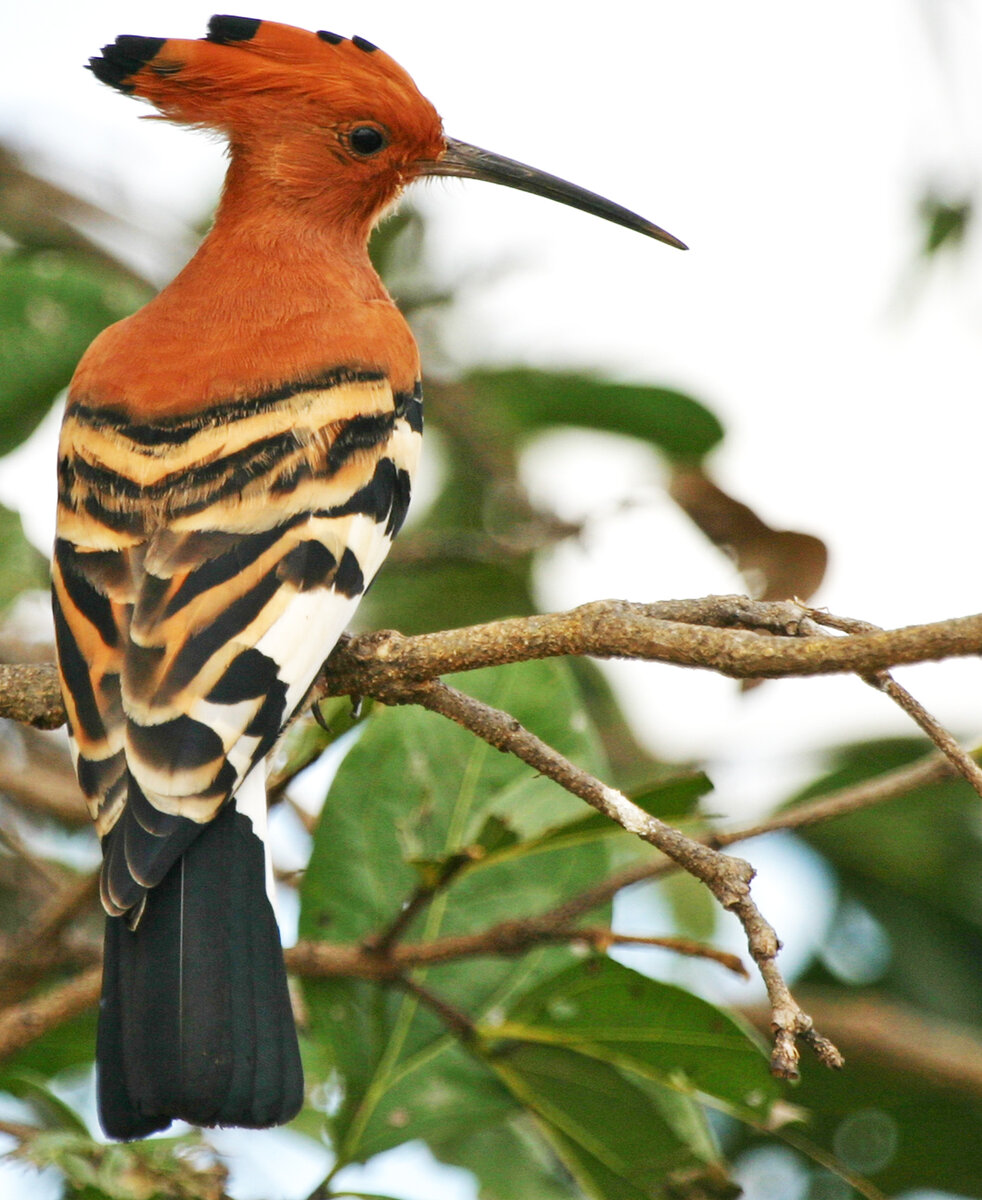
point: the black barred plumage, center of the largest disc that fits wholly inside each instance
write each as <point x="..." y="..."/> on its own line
<point x="150" y="632"/>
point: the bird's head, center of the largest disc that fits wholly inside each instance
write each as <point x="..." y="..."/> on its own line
<point x="327" y="122"/>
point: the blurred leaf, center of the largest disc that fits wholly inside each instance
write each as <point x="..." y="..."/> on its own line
<point x="396" y="249"/>
<point x="668" y="799"/>
<point x="777" y="564"/>
<point x="40" y="215"/>
<point x="439" y="593"/>
<point x="674" y="796"/>
<point x="511" y="1160"/>
<point x="495" y="834"/>
<point x="617" y="1140"/>
<point x="895" y="1129"/>
<point x="915" y="864"/>
<point x="21" y="565"/>
<point x="661" y="1032"/>
<point x="678" y="425"/>
<point x="49" y="1111"/>
<point x="307" y="739"/>
<point x="51" y="307"/>
<point x="65" y="1046"/>
<point x="632" y="766"/>
<point x="945" y="222"/>
<point x="436" y="790"/>
<point x="694" y="909"/>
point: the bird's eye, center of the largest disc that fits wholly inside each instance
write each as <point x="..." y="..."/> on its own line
<point x="366" y="140"/>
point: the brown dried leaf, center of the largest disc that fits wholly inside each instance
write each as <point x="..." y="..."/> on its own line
<point x="777" y="564"/>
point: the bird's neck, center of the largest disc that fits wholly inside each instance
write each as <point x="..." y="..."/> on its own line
<point x="280" y="250"/>
<point x="275" y="294"/>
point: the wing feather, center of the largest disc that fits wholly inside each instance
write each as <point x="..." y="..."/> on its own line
<point x="202" y="576"/>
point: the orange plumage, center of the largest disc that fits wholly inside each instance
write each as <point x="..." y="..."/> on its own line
<point x="234" y="463"/>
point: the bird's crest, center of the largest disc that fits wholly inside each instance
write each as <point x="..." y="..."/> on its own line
<point x="248" y="75"/>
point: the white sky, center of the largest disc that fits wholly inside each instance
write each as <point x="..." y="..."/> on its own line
<point x="788" y="145"/>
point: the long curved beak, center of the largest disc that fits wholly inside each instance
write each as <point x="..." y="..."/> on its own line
<point x="465" y="161"/>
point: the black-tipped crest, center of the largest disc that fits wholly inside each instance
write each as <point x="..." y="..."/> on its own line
<point x="225" y="29"/>
<point x="123" y="58"/>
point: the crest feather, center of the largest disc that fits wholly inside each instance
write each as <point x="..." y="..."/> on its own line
<point x="247" y="74"/>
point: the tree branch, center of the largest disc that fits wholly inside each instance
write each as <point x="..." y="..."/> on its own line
<point x="31" y="693"/>
<point x="21" y="1024"/>
<point x="839" y="803"/>
<point x="731" y="635"/>
<point x="719" y="633"/>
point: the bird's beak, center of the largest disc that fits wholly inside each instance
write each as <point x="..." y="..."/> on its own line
<point x="471" y="162"/>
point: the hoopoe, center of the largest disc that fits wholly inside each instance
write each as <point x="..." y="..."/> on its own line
<point x="235" y="460"/>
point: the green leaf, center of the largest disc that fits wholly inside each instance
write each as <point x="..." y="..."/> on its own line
<point x="67" y="1045"/>
<point x="611" y="1013"/>
<point x="417" y="786"/>
<point x="495" y="834"/>
<point x="50" y="1112"/>
<point x="674" y="796"/>
<point x="920" y="884"/>
<point x="615" y="1138"/>
<point x="511" y="1160"/>
<point x="887" y="1126"/>
<point x="51" y="306"/>
<point x="678" y="425"/>
<point x="632" y="766"/>
<point x="670" y="799"/>
<point x="21" y="565"/>
<point x="945" y="223"/>
<point x="442" y="592"/>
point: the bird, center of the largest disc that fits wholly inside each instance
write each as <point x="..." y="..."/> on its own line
<point x="234" y="462"/>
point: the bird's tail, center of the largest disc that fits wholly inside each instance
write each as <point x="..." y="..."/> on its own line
<point x="195" y="1020"/>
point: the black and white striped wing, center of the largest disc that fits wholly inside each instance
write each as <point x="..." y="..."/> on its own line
<point x="205" y="568"/>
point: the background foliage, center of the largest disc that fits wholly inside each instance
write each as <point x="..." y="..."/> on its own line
<point x="557" y="1074"/>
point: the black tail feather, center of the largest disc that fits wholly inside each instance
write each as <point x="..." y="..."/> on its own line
<point x="195" y="1020"/>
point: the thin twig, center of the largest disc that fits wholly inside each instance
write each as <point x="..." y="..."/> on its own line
<point x="456" y="1021"/>
<point x="36" y="949"/>
<point x="962" y="762"/>
<point x="731" y="635"/>
<point x="602" y="939"/>
<point x="24" y="1023"/>
<point x="66" y="904"/>
<point x="382" y="942"/>
<point x="838" y="803"/>
<point x="889" y="786"/>
<point x="15" y="1129"/>
<point x="884" y="682"/>
<point x="879" y="1031"/>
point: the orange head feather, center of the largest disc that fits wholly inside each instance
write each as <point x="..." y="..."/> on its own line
<point x="323" y="120"/>
<point x="324" y="132"/>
